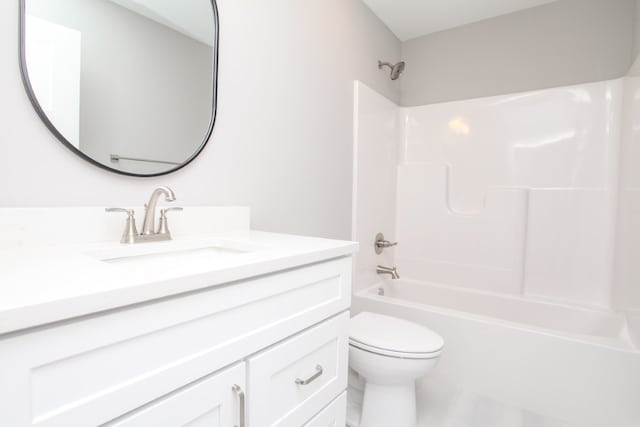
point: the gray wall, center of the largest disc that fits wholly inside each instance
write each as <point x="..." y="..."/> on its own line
<point x="636" y="31"/>
<point x="563" y="43"/>
<point x="282" y="143"/>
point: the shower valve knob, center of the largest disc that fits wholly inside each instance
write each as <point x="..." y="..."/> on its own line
<point x="380" y="243"/>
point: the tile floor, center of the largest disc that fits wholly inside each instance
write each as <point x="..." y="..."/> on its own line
<point x="448" y="407"/>
<point x="457" y="408"/>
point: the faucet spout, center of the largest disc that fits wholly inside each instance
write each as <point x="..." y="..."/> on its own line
<point x="148" y="227"/>
<point x="381" y="269"/>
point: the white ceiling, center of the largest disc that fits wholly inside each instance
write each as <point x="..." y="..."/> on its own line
<point x="190" y="17"/>
<point x="414" y="18"/>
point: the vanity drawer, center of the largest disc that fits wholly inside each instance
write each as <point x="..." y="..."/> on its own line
<point x="294" y="380"/>
<point x="91" y="370"/>
<point x="334" y="415"/>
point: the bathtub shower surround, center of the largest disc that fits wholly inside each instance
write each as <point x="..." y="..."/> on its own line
<point x="627" y="265"/>
<point x="506" y="213"/>
<point x="376" y="135"/>
<point x="514" y="193"/>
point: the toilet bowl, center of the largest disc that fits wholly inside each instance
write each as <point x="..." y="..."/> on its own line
<point x="389" y="355"/>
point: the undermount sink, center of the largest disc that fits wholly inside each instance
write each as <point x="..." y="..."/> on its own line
<point x="194" y="252"/>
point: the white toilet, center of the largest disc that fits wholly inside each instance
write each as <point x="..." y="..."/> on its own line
<point x="390" y="354"/>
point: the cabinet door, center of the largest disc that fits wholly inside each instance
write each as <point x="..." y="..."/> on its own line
<point x="214" y="401"/>
<point x="333" y="415"/>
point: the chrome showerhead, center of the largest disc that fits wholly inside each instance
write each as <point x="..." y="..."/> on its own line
<point x="396" y="69"/>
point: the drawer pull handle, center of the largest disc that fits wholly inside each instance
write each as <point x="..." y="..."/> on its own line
<point x="312" y="378"/>
<point x="241" y="399"/>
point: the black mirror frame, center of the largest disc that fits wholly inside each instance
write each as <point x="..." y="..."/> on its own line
<point x="36" y="105"/>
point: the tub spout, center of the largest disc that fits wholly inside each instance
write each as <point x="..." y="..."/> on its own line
<point x="381" y="269"/>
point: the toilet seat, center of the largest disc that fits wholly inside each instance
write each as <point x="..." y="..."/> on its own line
<point x="392" y="353"/>
<point x="393" y="337"/>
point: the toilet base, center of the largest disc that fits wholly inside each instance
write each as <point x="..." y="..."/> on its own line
<point x="389" y="405"/>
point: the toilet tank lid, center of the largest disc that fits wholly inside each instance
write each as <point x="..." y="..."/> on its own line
<point x="391" y="333"/>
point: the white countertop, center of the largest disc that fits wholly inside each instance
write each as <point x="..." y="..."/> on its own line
<point x="41" y="285"/>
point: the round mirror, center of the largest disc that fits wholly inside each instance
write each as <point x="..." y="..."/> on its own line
<point x="128" y="85"/>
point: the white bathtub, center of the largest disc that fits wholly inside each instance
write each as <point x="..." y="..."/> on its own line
<point x="567" y="362"/>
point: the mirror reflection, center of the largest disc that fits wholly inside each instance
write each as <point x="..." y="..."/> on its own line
<point x="127" y="84"/>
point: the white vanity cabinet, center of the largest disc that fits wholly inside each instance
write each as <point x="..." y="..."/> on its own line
<point x="218" y="356"/>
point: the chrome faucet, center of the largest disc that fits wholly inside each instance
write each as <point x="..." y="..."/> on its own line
<point x="148" y="226"/>
<point x="149" y="232"/>
<point x="381" y="269"/>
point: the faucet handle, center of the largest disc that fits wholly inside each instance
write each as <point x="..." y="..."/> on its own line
<point x="163" y="227"/>
<point x="175" y="208"/>
<point x="127" y="211"/>
<point x="380" y="243"/>
<point x="130" y="231"/>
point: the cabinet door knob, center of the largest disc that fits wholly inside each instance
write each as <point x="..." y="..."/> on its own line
<point x="241" y="400"/>
<point x="312" y="378"/>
